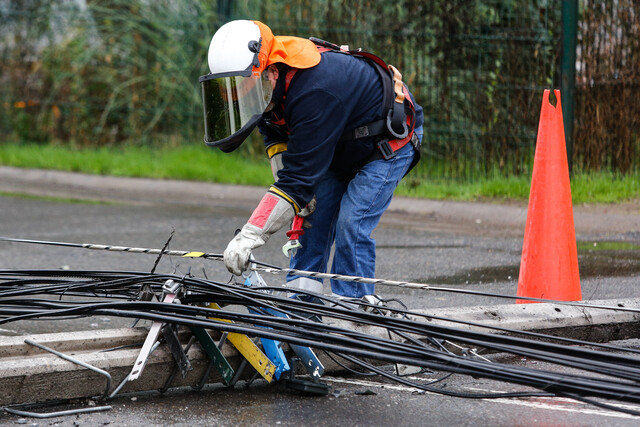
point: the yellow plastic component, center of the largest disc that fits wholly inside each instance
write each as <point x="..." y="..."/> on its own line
<point x="249" y="350"/>
<point x="193" y="255"/>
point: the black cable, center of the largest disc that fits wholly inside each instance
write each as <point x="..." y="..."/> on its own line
<point x="348" y="369"/>
<point x="426" y="387"/>
<point x="361" y="352"/>
<point x="298" y="330"/>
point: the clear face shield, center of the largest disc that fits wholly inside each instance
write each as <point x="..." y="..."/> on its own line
<point x="233" y="104"/>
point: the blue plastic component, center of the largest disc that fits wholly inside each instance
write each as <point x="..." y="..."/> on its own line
<point x="272" y="348"/>
<point x="308" y="357"/>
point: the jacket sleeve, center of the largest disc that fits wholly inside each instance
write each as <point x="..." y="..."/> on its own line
<point x="316" y="120"/>
<point x="269" y="135"/>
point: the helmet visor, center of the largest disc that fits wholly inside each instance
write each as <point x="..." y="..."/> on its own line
<point x="233" y="104"/>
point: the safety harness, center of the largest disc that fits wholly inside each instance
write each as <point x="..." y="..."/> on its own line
<point x="393" y="131"/>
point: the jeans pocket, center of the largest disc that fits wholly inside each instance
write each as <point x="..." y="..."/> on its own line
<point x="405" y="160"/>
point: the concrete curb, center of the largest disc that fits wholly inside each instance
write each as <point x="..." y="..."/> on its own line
<point x="28" y="373"/>
<point x="570" y="321"/>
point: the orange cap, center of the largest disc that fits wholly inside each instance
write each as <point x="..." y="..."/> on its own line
<point x="296" y="52"/>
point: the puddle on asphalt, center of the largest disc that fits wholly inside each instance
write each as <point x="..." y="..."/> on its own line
<point x="608" y="259"/>
<point x="595" y="259"/>
<point x="477" y="276"/>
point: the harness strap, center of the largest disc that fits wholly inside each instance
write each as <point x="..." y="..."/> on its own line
<point x="380" y="127"/>
<point x="370" y="129"/>
<point x="396" y="118"/>
<point x="397" y="84"/>
<point x="292" y="72"/>
<point x="387" y="150"/>
<point x="399" y="110"/>
<point x="397" y="106"/>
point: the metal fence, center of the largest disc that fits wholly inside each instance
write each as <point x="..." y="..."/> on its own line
<point x="478" y="68"/>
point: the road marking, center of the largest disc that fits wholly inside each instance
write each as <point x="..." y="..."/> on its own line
<point x="532" y="402"/>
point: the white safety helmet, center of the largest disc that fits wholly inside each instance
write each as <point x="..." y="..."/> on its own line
<point x="234" y="96"/>
<point x="237" y="92"/>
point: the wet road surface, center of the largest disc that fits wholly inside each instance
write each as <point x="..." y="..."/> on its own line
<point x="410" y="247"/>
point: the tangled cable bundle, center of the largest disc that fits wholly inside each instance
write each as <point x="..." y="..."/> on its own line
<point x="600" y="372"/>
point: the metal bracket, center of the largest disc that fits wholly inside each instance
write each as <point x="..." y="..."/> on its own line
<point x="170" y="287"/>
<point x="68" y="412"/>
<point x="176" y="367"/>
<point x="303" y="386"/>
<point x="77" y="362"/>
<point x="215" y="356"/>
<point x="249" y="350"/>
<point x="179" y="355"/>
<point x="274" y="351"/>
<point x="126" y="379"/>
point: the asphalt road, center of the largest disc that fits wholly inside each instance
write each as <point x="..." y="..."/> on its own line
<point x="461" y="245"/>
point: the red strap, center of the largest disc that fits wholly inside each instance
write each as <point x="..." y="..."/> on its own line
<point x="292" y="72"/>
<point x="397" y="144"/>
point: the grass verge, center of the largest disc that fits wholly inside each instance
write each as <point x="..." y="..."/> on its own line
<point x="196" y="163"/>
<point x="200" y="163"/>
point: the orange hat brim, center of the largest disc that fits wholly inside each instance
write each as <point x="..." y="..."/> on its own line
<point x="296" y="52"/>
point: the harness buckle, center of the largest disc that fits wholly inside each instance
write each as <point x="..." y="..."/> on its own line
<point x="385" y="149"/>
<point x="396" y="121"/>
<point x="361" y="132"/>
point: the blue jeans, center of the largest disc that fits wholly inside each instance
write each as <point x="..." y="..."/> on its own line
<point x="347" y="212"/>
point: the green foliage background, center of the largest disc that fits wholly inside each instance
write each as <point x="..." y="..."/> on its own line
<point x="119" y="72"/>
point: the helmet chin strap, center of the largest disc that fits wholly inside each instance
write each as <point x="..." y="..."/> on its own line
<point x="254" y="46"/>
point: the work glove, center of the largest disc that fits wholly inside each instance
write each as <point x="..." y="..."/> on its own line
<point x="306" y="211"/>
<point x="273" y="213"/>
<point x="276" y="165"/>
<point x="275" y="152"/>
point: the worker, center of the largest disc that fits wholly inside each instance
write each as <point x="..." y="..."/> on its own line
<point x="340" y="130"/>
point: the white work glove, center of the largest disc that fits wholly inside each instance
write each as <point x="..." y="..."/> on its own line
<point x="273" y="213"/>
<point x="276" y="165"/>
<point x="275" y="151"/>
<point x="236" y="256"/>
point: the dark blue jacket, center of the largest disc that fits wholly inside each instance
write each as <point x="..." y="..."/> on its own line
<point x="341" y="93"/>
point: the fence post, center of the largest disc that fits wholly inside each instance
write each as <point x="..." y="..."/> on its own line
<point x="568" y="71"/>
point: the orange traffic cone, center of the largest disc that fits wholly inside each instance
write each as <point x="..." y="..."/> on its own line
<point x="549" y="264"/>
